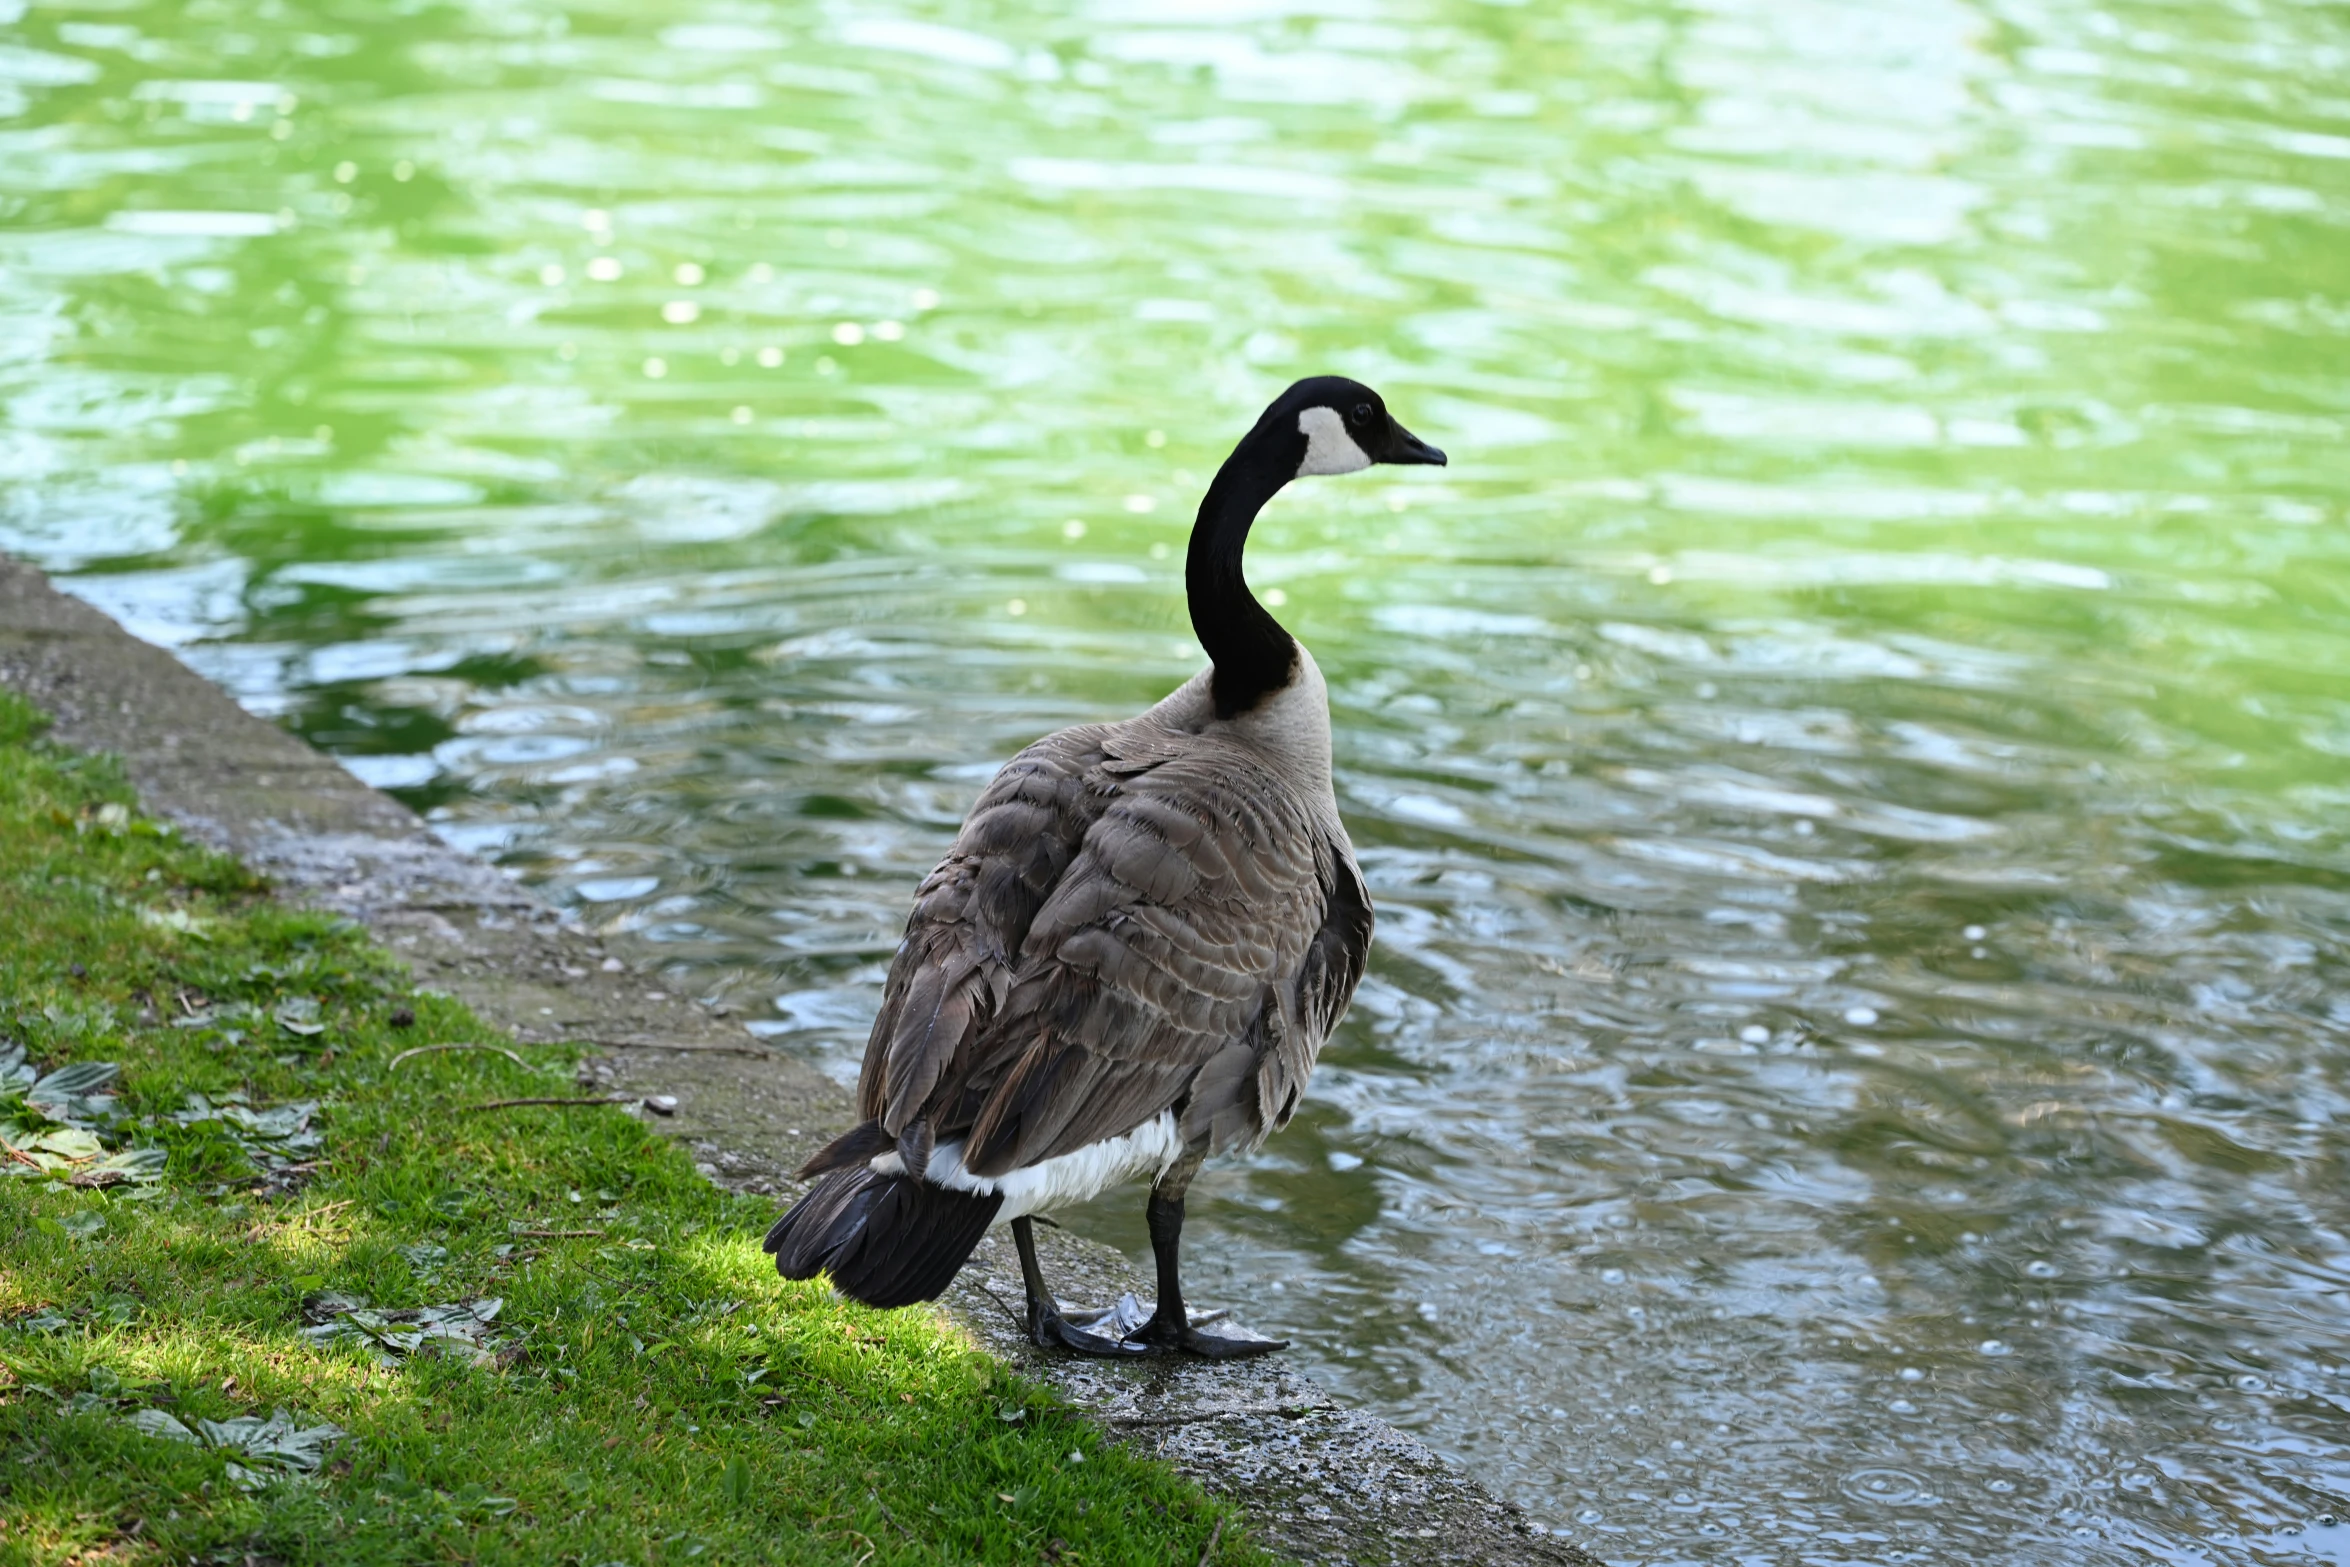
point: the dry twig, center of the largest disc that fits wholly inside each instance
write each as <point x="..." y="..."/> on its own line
<point x="760" y="1051"/>
<point x="418" y="1050"/>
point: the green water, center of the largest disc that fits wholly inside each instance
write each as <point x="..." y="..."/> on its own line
<point x="1852" y="758"/>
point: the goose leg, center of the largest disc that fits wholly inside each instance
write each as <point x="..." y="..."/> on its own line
<point x="1047" y="1328"/>
<point x="1171" y="1327"/>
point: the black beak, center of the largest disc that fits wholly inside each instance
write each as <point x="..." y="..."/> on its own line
<point x="1405" y="447"/>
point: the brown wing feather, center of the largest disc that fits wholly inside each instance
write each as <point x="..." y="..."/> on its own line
<point x="1193" y="898"/>
<point x="972" y="914"/>
<point x="1326" y="982"/>
<point x="1129" y="923"/>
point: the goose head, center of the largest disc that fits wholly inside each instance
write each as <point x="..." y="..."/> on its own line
<point x="1340" y="426"/>
<point x="1322" y="424"/>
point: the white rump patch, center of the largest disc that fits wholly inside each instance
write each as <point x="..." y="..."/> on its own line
<point x="1329" y="449"/>
<point x="1056" y="1183"/>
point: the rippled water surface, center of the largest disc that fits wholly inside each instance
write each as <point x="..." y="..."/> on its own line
<point x="1853" y="758"/>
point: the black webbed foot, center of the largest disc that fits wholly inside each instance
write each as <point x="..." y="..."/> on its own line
<point x="1165" y="1338"/>
<point x="1144" y="1331"/>
<point x="1056" y="1330"/>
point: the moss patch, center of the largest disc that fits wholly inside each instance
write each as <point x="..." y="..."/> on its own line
<point x="238" y="1359"/>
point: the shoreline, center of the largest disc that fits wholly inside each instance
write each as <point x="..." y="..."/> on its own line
<point x="1316" y="1479"/>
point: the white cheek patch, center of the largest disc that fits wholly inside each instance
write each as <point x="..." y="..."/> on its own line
<point x="1329" y="449"/>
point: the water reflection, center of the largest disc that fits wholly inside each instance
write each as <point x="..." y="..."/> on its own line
<point x="1849" y="757"/>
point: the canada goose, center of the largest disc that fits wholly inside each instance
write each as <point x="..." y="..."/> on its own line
<point x="1131" y="956"/>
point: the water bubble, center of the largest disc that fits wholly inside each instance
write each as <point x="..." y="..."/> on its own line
<point x="1886" y="1488"/>
<point x="1860" y="1017"/>
<point x="1611" y="1276"/>
<point x="1992" y="1346"/>
<point x="1755" y="1034"/>
<point x="1912" y="1374"/>
<point x="2251" y="1384"/>
<point x="2042" y="1270"/>
<point x="1589" y="1515"/>
<point x="2001" y="1486"/>
<point x="1902" y="1406"/>
<point x="1974" y="933"/>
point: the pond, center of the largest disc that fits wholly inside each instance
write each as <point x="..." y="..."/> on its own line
<point x="1852" y="758"/>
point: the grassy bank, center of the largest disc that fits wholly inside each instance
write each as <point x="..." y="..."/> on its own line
<point x="266" y="1295"/>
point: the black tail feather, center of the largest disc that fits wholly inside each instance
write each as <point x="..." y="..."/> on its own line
<point x="857" y="1145"/>
<point x="887" y="1240"/>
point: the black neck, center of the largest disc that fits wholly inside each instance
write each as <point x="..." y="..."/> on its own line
<point x="1252" y="654"/>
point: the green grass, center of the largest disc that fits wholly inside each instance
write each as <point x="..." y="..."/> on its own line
<point x="654" y="1393"/>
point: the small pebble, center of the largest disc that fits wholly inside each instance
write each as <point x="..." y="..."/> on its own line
<point x="662" y="1104"/>
<point x="402" y="1017"/>
<point x="77" y="971"/>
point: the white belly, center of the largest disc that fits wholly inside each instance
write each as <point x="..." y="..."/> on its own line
<point x="1056" y="1183"/>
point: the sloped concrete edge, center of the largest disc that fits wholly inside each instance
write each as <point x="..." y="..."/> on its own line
<point x="1316" y="1479"/>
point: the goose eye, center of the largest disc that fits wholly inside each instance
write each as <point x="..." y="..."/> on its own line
<point x="1362" y="413"/>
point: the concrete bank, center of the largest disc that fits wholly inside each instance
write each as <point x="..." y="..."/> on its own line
<point x="1317" y="1479"/>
